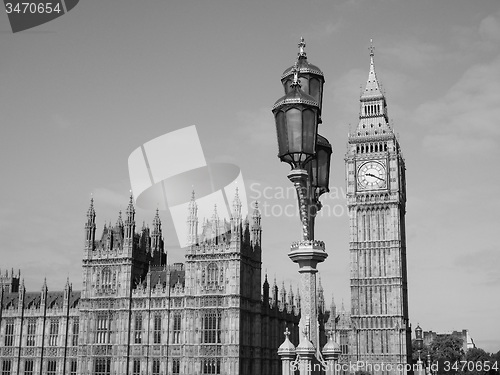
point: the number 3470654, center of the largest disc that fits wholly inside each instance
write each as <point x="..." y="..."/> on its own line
<point x="32" y="8"/>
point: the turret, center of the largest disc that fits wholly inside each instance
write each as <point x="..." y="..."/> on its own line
<point x="214" y="230"/>
<point x="130" y="222"/>
<point x="283" y="294"/>
<point x="90" y="226"/>
<point x="321" y="298"/>
<point x="291" y="301"/>
<point x="265" y="292"/>
<point x="256" y="229"/>
<point x="333" y="310"/>
<point x="192" y="221"/>
<point x="274" y="293"/>
<point x="10" y="282"/>
<point x="157" y="241"/>
<point x="119" y="221"/>
<point x="109" y="237"/>
<point x="236" y="218"/>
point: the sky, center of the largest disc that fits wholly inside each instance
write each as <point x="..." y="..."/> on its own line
<point x="79" y="94"/>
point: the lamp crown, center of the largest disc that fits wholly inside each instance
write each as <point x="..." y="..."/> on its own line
<point x="302" y="45"/>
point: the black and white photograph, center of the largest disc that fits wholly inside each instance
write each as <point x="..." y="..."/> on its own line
<point x="249" y="187"/>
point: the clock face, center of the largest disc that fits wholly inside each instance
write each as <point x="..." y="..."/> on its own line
<point x="372" y="175"/>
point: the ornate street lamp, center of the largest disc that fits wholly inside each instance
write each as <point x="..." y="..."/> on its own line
<point x="297" y="115"/>
<point x="319" y="167"/>
<point x="318" y="170"/>
<point x="419" y="340"/>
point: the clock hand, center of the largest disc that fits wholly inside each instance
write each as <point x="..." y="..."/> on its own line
<point x="372" y="175"/>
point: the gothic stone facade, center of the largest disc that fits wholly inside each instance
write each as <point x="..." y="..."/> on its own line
<point x="138" y="315"/>
<point x="377" y="330"/>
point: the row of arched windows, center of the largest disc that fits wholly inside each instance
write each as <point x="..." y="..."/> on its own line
<point x="371" y="109"/>
<point x="371" y="147"/>
<point x="211" y="276"/>
<point x="105" y="279"/>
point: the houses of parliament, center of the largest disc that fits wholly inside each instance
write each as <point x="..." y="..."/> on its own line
<point x="136" y="314"/>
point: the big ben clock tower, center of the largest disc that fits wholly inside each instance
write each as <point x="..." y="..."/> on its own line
<point x="380" y="331"/>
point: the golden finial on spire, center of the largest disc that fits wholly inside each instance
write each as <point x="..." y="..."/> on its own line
<point x="302" y="45"/>
<point x="371" y="48"/>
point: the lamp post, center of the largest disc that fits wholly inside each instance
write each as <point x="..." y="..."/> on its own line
<point x="297" y="115"/>
<point x="420" y="344"/>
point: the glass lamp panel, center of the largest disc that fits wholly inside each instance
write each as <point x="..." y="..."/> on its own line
<point x="323" y="168"/>
<point x="310" y="129"/>
<point x="286" y="85"/>
<point x="314" y="89"/>
<point x="282" y="133"/>
<point x="304" y="84"/>
<point x="294" y="129"/>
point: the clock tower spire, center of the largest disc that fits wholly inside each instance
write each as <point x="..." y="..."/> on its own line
<point x="376" y="194"/>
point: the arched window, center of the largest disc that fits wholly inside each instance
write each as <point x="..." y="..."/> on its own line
<point x="106" y="278"/>
<point x="211" y="366"/>
<point x="212" y="275"/>
<point x="138" y="329"/>
<point x="211" y="330"/>
<point x="177" y="328"/>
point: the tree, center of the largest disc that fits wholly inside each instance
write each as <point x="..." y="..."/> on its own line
<point x="447" y="350"/>
<point x="476" y="359"/>
<point x="496" y="357"/>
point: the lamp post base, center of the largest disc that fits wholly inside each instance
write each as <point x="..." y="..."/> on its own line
<point x="307" y="254"/>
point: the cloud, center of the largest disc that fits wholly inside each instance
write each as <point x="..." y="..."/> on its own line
<point x="473" y="41"/>
<point x="414" y="53"/>
<point x="321" y="31"/>
<point x="344" y="93"/>
<point x="465" y="120"/>
<point x="482" y="262"/>
<point x="61" y="122"/>
<point x="110" y="197"/>
<point x="489" y="28"/>
<point x="256" y="127"/>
